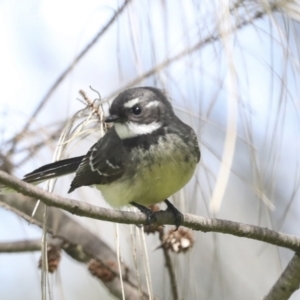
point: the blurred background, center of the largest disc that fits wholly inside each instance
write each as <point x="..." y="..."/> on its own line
<point x="231" y="70"/>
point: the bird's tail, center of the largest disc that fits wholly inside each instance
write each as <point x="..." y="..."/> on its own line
<point x="49" y="171"/>
<point x="54" y="170"/>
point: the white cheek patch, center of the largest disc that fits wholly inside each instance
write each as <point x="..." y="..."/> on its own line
<point x="130" y="129"/>
<point x="131" y="102"/>
<point x="152" y="104"/>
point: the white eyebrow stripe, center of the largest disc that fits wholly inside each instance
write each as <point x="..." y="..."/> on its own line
<point x="154" y="103"/>
<point x="132" y="102"/>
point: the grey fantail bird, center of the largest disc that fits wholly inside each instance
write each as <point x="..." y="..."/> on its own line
<point x="145" y="157"/>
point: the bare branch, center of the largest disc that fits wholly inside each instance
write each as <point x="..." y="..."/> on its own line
<point x="191" y="221"/>
<point x="68" y="70"/>
<point x="288" y="282"/>
<point x="169" y="267"/>
<point x="20" y="246"/>
<point x="200" y="44"/>
<point x="26" y="245"/>
<point x="76" y="241"/>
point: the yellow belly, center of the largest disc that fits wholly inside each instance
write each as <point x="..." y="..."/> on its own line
<point x="149" y="187"/>
<point x="161" y="172"/>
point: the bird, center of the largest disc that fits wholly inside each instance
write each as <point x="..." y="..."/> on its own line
<point x="146" y="156"/>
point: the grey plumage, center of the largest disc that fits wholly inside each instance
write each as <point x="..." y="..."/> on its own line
<point x="145" y="157"/>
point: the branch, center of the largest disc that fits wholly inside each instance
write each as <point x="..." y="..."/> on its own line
<point x="288" y="282"/>
<point x="169" y="267"/>
<point x="69" y="69"/>
<point x="20" y="246"/>
<point x="78" y="242"/>
<point x="211" y="38"/>
<point x="191" y="221"/>
<point x="26" y="245"/>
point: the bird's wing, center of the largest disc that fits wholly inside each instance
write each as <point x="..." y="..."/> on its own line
<point x="103" y="164"/>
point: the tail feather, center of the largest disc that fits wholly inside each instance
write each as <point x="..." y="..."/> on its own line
<point x="53" y="170"/>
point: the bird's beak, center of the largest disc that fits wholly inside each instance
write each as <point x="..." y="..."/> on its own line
<point x="111" y="118"/>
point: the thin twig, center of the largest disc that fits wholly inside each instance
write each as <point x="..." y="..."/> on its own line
<point x="26" y="245"/>
<point x="32" y="149"/>
<point x="203" y="42"/>
<point x="92" y="105"/>
<point x="68" y="70"/>
<point x="26" y="217"/>
<point x="169" y="267"/>
<point x="20" y="246"/>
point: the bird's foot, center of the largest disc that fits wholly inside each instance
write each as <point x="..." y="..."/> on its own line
<point x="150" y="215"/>
<point x="178" y="216"/>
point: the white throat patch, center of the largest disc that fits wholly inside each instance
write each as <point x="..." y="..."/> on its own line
<point x="130" y="129"/>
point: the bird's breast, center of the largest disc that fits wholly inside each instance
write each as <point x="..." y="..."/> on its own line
<point x="152" y="175"/>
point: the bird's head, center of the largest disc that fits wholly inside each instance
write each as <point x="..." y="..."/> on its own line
<point x="139" y="111"/>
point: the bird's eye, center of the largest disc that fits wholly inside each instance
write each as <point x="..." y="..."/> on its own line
<point x="136" y="110"/>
